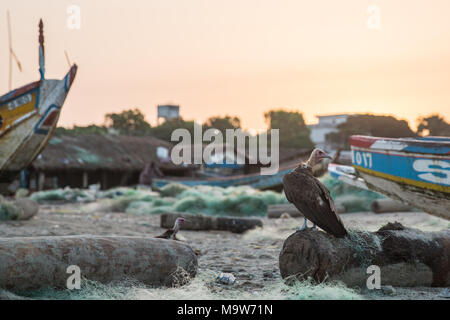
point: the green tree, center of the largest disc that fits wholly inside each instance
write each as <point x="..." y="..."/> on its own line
<point x="164" y="130"/>
<point x="128" y="122"/>
<point x="293" y="131"/>
<point x="76" y="130"/>
<point x="434" y="125"/>
<point x="370" y="125"/>
<point x="222" y="123"/>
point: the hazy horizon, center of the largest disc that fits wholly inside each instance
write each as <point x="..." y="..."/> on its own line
<point x="238" y="58"/>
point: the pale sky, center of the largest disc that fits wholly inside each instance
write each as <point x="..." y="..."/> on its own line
<point x="238" y="57"/>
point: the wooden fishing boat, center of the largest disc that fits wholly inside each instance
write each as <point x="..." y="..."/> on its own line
<point x="414" y="171"/>
<point x="347" y="174"/>
<point x="28" y="117"/>
<point x="255" y="180"/>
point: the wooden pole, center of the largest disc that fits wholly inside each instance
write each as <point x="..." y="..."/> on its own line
<point x="10" y="50"/>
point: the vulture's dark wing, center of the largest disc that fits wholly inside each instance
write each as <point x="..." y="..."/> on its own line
<point x="313" y="199"/>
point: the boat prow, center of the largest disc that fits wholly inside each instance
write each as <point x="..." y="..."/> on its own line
<point x="414" y="171"/>
<point x="28" y="117"/>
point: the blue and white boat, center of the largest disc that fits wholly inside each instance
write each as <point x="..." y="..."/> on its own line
<point x="414" y="171"/>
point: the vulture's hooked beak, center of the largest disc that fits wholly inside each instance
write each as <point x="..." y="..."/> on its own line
<point x="326" y="156"/>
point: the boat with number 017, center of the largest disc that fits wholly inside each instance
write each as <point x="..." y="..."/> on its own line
<point x="28" y="117"/>
<point x="415" y="171"/>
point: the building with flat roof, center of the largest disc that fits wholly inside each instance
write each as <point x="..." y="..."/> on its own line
<point x="326" y="125"/>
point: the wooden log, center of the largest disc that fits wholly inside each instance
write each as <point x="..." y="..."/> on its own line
<point x="41" y="262"/>
<point x="389" y="205"/>
<point x="274" y="211"/>
<point x="202" y="222"/>
<point x="406" y="257"/>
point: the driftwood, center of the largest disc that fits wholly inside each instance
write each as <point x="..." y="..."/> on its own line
<point x="406" y="257"/>
<point x="389" y="205"/>
<point x="202" y="222"/>
<point x="41" y="262"/>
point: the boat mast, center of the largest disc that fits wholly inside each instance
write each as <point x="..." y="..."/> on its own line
<point x="41" y="50"/>
<point x="12" y="55"/>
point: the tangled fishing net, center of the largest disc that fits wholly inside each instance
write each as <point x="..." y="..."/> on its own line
<point x="236" y="201"/>
<point x="66" y="194"/>
<point x="8" y="211"/>
<point x="209" y="200"/>
<point x="352" y="198"/>
<point x="203" y="286"/>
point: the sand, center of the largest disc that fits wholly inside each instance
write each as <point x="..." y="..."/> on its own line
<point x="251" y="257"/>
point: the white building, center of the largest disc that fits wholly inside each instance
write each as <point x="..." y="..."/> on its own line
<point x="326" y="124"/>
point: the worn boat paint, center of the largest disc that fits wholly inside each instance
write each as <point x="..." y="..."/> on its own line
<point x="415" y="171"/>
<point x="28" y="117"/>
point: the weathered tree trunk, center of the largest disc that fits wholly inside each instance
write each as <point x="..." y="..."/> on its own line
<point x="41" y="262"/>
<point x="202" y="222"/>
<point x="406" y="257"/>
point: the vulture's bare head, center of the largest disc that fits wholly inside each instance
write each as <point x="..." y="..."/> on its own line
<point x="316" y="156"/>
<point x="178" y="223"/>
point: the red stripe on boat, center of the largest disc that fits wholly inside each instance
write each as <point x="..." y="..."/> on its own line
<point x="362" y="141"/>
<point x="51" y="118"/>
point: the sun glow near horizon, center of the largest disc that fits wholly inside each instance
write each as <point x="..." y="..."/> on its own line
<point x="239" y="58"/>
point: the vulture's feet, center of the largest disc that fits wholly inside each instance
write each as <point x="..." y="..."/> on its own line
<point x="305" y="226"/>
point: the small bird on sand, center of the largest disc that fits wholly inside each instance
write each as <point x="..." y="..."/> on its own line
<point x="171" y="234"/>
<point x="312" y="198"/>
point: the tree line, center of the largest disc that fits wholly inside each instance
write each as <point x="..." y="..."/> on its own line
<point x="293" y="133"/>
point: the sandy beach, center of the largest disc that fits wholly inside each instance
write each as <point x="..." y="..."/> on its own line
<point x="251" y="257"/>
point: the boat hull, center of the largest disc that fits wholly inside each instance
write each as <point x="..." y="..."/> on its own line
<point x="416" y="172"/>
<point x="28" y="118"/>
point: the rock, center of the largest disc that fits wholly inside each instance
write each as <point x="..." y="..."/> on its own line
<point x="41" y="262"/>
<point x="28" y="208"/>
<point x="202" y="222"/>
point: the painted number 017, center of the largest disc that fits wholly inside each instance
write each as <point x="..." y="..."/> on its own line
<point x="364" y="158"/>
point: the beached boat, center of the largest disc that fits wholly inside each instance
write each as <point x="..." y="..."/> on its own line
<point x="347" y="174"/>
<point x="28" y="117"/>
<point x="255" y="180"/>
<point x="414" y="171"/>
